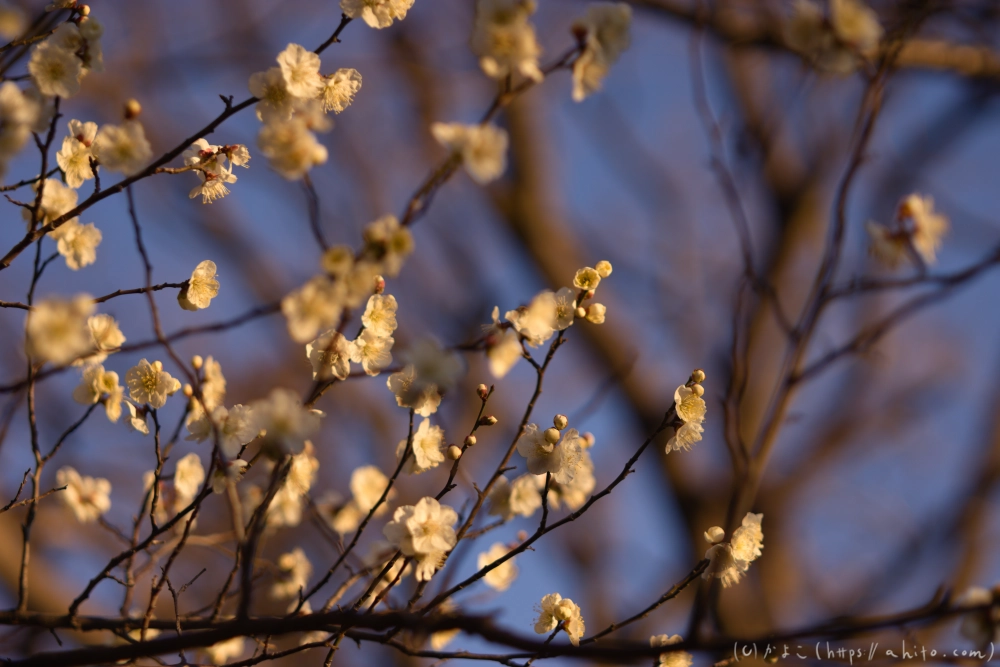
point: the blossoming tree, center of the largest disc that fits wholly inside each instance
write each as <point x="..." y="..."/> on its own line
<point x="381" y="416"/>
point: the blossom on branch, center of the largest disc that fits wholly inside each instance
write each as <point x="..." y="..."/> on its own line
<point x="729" y="561"/>
<point x="87" y="497"/>
<point x="504" y="39"/>
<point x="483" y="148"/>
<point x="149" y="384"/>
<point x="555" y="609"/>
<point x="604" y="34"/>
<point x="502" y="576"/>
<point x="424" y="531"/>
<point x="76" y="153"/>
<point x="123" y="148"/>
<point x="376" y="13"/>
<point x="57" y="331"/>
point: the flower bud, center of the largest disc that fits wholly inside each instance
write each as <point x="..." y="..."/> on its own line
<point x="470" y="440"/>
<point x="551" y="435"/>
<point x="560" y="421"/>
<point x="188" y="391"/>
<point x="488" y="420"/>
<point x="454" y="453"/>
<point x="157" y="365"/>
<point x="483" y="391"/>
<point x="589" y="294"/>
<point x="714" y="535"/>
<point x="603" y="268"/>
<point x="132" y="109"/>
<point x="581" y="312"/>
<point x="83" y="10"/>
<point x="698" y="375"/>
<point x="588" y="440"/>
<point x="379" y="284"/>
<point x="595" y="313"/>
<point x="197" y="362"/>
<point x="698" y="389"/>
<point x="522" y="535"/>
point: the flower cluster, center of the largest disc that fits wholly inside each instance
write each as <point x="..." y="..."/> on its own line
<point x="690" y="409"/>
<point x="482" y="148"/>
<point x="347" y="282"/>
<point x="214" y="167"/>
<point x="59" y="63"/>
<point x="551" y="452"/>
<point x="331" y="354"/>
<point x="293" y="99"/>
<point x="837" y="43"/>
<point x="554" y="610"/>
<point x="367" y="485"/>
<point x="603" y="33"/>
<point x="376" y="13"/>
<point x="729" y="561"/>
<point x="504" y="40"/>
<point x="286" y="506"/>
<point x="424" y="531"/>
<point x="19" y="116"/>
<point x="547" y="313"/>
<point x="430" y="371"/>
<point x="208" y="417"/>
<point x="915" y="234"/>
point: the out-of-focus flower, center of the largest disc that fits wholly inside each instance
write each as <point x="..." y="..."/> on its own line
<point x="376" y="13"/>
<point x="57" y="329"/>
<point x="483" y="148"/>
<point x="87" y="497"/>
<point x="605" y="30"/>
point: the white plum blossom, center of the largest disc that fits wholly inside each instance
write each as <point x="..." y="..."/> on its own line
<point x="376" y="13"/>
<point x="105" y="337"/>
<point x="429" y="372"/>
<point x="380" y="315"/>
<point x="428" y="448"/>
<point x="518" y="498"/>
<point x="565" y="306"/>
<point x="76" y="152"/>
<point x="424" y="531"/>
<point x="503" y="346"/>
<point x="291" y="147"/>
<point x="57" y="329"/>
<point x="123" y="148"/>
<point x="228" y="472"/>
<point x="729" y="561"/>
<point x="287" y="422"/>
<point x="18" y="114"/>
<point x="339" y="89"/>
<point x="330" y="356"/>
<point x="391" y="244"/>
<point x="300" y="69"/>
<point x="149" y="384"/>
<point x="573" y="493"/>
<point x="236" y="427"/>
<point x="674" y="658"/>
<point x="270" y="88"/>
<point x="605" y="28"/>
<point x="200" y="288"/>
<point x="97" y="384"/>
<point x="504" y="39"/>
<point x="690" y="408"/>
<point x="555" y="609"/>
<point x="77" y="243"/>
<point x="188" y="478"/>
<point x="372" y="352"/>
<point x="225" y="651"/>
<point x="483" y="148"/>
<point x="137" y="418"/>
<point x="57" y="199"/>
<point x="88" y="498"/>
<point x="367" y="485"/>
<point x="547" y="452"/>
<point x="55" y="70"/>
<point x="537" y="321"/>
<point x="315" y="306"/>
<point x="293" y="574"/>
<point x="502" y="576"/>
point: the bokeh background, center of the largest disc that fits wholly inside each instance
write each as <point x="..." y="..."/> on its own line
<point x="883" y="484"/>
